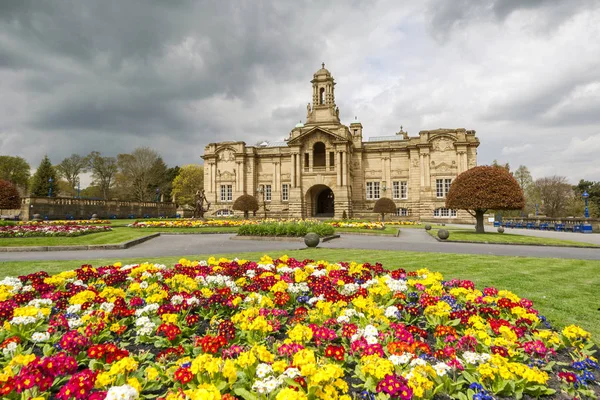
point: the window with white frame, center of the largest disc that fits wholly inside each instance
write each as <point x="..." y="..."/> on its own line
<point x="444" y="213"/>
<point x="285" y="192"/>
<point x="224" y="213"/>
<point x="442" y="186"/>
<point x="400" y="190"/>
<point x="402" y="212"/>
<point x="226" y="193"/>
<point x="267" y="192"/>
<point x="373" y="190"/>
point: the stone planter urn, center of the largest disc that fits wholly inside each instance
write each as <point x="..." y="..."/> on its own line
<point x="500" y="229"/>
<point x="94" y="216"/>
<point x="443" y="234"/>
<point x="312" y="239"/>
<point x="37" y="217"/>
<point x="427" y="227"/>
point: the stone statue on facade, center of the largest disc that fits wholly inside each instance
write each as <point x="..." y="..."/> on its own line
<point x="199" y="210"/>
<point x="337" y="112"/>
<point x="307" y="110"/>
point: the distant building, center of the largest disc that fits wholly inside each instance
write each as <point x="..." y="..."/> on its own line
<point x="324" y="168"/>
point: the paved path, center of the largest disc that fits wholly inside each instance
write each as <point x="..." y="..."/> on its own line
<point x="409" y="239"/>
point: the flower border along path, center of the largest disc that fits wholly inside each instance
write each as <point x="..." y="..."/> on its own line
<point x="279" y="329"/>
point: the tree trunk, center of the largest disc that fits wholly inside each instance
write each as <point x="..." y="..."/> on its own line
<point x="479" y="221"/>
<point x="382" y="217"/>
<point x="245" y="214"/>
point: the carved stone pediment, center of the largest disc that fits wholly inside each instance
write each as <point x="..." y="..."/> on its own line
<point x="399" y="172"/>
<point x="226" y="155"/>
<point x="226" y="175"/>
<point x="443" y="144"/>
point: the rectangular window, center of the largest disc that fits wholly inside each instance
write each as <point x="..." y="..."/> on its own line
<point x="331" y="160"/>
<point x="267" y="192"/>
<point x="444" y="213"/>
<point x="442" y="186"/>
<point x="373" y="190"/>
<point x="400" y="190"/>
<point x="306" y="160"/>
<point x="226" y="192"/>
<point x="285" y="192"/>
<point x="402" y="212"/>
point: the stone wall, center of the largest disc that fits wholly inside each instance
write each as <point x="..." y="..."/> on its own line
<point x="70" y="208"/>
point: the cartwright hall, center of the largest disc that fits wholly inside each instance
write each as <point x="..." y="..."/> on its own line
<point x="324" y="168"/>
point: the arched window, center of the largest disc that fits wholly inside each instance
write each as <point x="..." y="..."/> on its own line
<point x="322" y="96"/>
<point x="319" y="154"/>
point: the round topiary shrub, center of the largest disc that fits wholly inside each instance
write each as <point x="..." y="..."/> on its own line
<point x="427" y="227"/>
<point x="246" y="203"/>
<point x="384" y="206"/>
<point x="500" y="229"/>
<point x="311" y="239"/>
<point x="443" y="234"/>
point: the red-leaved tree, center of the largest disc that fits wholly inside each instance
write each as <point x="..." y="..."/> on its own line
<point x="485" y="188"/>
<point x="9" y="196"/>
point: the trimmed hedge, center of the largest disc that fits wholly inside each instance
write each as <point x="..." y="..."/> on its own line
<point x="293" y="229"/>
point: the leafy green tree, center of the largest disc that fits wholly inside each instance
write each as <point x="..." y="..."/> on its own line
<point x="15" y="170"/>
<point x="44" y="179"/>
<point x="187" y="182"/>
<point x="71" y="167"/>
<point x="485" y="188"/>
<point x="103" y="172"/>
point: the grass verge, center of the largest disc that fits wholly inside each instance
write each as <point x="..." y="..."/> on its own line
<point x="463" y="235"/>
<point x="117" y="235"/>
<point x="564" y="290"/>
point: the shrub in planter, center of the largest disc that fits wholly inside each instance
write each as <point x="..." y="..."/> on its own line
<point x="500" y="229"/>
<point x="427" y="227"/>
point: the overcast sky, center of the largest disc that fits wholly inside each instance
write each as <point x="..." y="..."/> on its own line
<point x="112" y="75"/>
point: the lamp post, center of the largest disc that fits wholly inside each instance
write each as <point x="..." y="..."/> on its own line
<point x="536" y="209"/>
<point x="585" y="196"/>
<point x="157" y="194"/>
<point x="50" y="188"/>
<point x="261" y="190"/>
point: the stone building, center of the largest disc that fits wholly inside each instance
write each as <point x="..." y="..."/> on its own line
<point x="324" y="168"/>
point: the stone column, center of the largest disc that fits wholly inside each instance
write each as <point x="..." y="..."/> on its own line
<point x="293" y="170"/>
<point x="422" y="169"/>
<point x="298" y="171"/>
<point x="310" y="161"/>
<point x="344" y="169"/>
<point x="338" y="169"/>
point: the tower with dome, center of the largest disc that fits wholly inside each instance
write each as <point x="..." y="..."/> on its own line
<point x="324" y="168"/>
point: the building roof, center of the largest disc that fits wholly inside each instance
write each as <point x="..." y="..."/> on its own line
<point x="385" y="138"/>
<point x="271" y="144"/>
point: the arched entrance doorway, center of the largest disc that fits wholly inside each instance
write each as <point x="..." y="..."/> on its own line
<point x="320" y="201"/>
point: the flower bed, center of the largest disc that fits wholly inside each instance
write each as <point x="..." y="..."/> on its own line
<point x="357" y="225"/>
<point x="278" y="329"/>
<point x="59" y="222"/>
<point x="191" y="223"/>
<point x="50" y="230"/>
<point x="293" y="229"/>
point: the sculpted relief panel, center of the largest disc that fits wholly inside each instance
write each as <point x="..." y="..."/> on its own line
<point x="443" y="144"/>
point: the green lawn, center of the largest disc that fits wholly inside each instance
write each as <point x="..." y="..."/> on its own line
<point x="466" y="235"/>
<point x="388" y="230"/>
<point x="565" y="291"/>
<point x="117" y="235"/>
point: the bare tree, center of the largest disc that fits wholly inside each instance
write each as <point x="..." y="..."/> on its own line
<point x="103" y="171"/>
<point x="71" y="167"/>
<point x="555" y="194"/>
<point x="140" y="170"/>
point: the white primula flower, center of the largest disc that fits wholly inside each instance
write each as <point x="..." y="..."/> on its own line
<point x="107" y="307"/>
<point x="9" y="349"/>
<point x="177" y="299"/>
<point x="40" y="337"/>
<point x="370" y="330"/>
<point x="342" y="319"/>
<point x="371" y="339"/>
<point x="391" y="311"/>
<point x="418" y="361"/>
<point x="263" y="370"/>
<point x="124" y="392"/>
<point x="401" y="359"/>
<point x="441" y="368"/>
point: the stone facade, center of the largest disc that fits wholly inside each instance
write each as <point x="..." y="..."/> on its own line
<point x="324" y="168"/>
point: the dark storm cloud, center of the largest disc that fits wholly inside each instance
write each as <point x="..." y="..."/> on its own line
<point x="446" y="16"/>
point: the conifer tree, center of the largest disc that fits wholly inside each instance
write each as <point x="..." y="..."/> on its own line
<point x="43" y="179"/>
